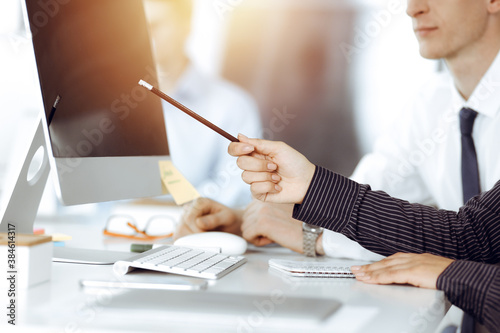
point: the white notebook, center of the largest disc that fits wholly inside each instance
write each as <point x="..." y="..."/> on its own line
<point x="314" y="268"/>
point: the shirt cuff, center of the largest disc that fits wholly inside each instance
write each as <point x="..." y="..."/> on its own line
<point x="475" y="288"/>
<point x="330" y="201"/>
<point x="337" y="245"/>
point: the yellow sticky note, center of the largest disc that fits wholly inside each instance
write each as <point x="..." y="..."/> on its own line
<point x="176" y="184"/>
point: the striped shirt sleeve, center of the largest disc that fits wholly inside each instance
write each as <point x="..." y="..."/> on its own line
<point x="475" y="288"/>
<point x="386" y="225"/>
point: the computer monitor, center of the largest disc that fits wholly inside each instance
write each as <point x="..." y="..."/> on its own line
<point x="104" y="133"/>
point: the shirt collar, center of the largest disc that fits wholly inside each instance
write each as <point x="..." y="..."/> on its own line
<point x="485" y="98"/>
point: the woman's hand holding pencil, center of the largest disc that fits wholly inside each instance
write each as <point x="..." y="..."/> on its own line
<point x="275" y="171"/>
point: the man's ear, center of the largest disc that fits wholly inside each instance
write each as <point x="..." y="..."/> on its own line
<point x="494" y="6"/>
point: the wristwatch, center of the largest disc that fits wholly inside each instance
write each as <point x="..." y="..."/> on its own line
<point x="310" y="234"/>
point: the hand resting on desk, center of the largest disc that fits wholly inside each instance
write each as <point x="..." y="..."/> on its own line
<point x="204" y="214"/>
<point x="421" y="270"/>
<point x="259" y="223"/>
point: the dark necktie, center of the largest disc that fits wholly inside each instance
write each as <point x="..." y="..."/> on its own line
<point x="470" y="178"/>
<point x="470" y="173"/>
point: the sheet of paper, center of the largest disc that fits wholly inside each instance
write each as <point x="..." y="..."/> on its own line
<point x="176" y="184"/>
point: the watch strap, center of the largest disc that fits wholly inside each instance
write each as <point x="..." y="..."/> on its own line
<point x="309" y="238"/>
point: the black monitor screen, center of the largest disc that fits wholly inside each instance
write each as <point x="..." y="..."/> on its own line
<point x="90" y="56"/>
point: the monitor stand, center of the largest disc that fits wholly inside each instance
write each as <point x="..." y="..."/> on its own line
<point x="27" y="193"/>
<point x="22" y="208"/>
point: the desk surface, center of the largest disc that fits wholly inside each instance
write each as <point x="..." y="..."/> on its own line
<point x="60" y="305"/>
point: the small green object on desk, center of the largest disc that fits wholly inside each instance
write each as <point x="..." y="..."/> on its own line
<point x="139" y="248"/>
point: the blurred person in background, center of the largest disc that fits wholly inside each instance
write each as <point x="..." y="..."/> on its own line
<point x="198" y="152"/>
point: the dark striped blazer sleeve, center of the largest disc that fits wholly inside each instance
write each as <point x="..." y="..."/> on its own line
<point x="387" y="225"/>
<point x="475" y="288"/>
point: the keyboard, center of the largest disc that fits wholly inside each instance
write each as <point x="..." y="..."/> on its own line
<point x="182" y="260"/>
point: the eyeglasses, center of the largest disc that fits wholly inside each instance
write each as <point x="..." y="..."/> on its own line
<point x="125" y="226"/>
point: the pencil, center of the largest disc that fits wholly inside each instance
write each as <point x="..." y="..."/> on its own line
<point x="188" y="111"/>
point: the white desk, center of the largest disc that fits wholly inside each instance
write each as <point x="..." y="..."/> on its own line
<point x="60" y="305"/>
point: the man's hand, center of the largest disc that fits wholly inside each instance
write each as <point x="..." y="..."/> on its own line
<point x="421" y="270"/>
<point x="265" y="223"/>
<point x="207" y="215"/>
<point x="275" y="171"/>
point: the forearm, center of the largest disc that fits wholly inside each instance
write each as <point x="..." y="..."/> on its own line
<point x="475" y="288"/>
<point x="386" y="225"/>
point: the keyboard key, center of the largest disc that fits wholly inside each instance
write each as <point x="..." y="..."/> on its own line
<point x="195" y="261"/>
<point x="158" y="255"/>
<point x="179" y="259"/>
<point x="223" y="265"/>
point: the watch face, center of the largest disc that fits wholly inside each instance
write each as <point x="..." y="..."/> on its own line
<point x="312" y="228"/>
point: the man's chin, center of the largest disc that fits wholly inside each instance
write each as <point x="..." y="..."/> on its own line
<point x="430" y="54"/>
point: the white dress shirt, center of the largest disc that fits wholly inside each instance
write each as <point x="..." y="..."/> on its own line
<point x="198" y="152"/>
<point x="419" y="159"/>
